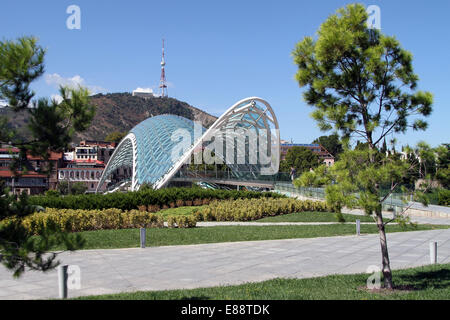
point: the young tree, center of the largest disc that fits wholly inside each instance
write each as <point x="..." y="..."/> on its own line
<point x="301" y="158"/>
<point x="331" y="143"/>
<point x="115" y="136"/>
<point x="443" y="165"/>
<point x="52" y="126"/>
<point x="65" y="187"/>
<point x="361" y="83"/>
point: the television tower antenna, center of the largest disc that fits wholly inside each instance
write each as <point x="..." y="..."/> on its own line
<point x="162" y="81"/>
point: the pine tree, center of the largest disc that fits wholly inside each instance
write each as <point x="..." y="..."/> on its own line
<point x="361" y="83"/>
<point x="52" y="126"/>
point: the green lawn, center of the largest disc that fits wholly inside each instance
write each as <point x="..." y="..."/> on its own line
<point x="180" y="211"/>
<point x="128" y="238"/>
<point x="430" y="282"/>
<point x="306" y="216"/>
<point x="309" y="216"/>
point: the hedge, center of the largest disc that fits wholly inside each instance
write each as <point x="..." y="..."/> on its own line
<point x="254" y="209"/>
<point x="170" y="197"/>
<point x="181" y="221"/>
<point x="444" y="197"/>
<point x="69" y="220"/>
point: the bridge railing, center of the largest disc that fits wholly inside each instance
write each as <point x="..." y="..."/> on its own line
<point x="230" y="175"/>
<point x="289" y="189"/>
<point x="396" y="202"/>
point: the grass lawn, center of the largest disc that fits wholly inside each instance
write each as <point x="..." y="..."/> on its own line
<point x="180" y="211"/>
<point x="429" y="282"/>
<point x="128" y="238"/>
<point x="309" y="216"/>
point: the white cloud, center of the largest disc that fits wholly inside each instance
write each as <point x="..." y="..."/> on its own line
<point x="143" y="90"/>
<point x="56" y="80"/>
<point x="57" y="98"/>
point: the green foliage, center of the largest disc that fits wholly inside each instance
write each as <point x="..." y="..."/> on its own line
<point x="74" y="188"/>
<point x="51" y="126"/>
<point x="357" y="77"/>
<point x="181" y="221"/>
<point x="68" y="220"/>
<point x="315" y="178"/>
<point x="115" y="136"/>
<point x="336" y="199"/>
<point x="444" y="197"/>
<point x="339" y="217"/>
<point x="18" y="249"/>
<point x="147" y="197"/>
<point x="21" y="62"/>
<point x="443" y="165"/>
<point x="361" y="83"/>
<point x="331" y="143"/>
<point x="52" y="193"/>
<point x="255" y="209"/>
<point x="301" y="158"/>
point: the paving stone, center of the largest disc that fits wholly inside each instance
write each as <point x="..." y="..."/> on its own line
<point x="174" y="267"/>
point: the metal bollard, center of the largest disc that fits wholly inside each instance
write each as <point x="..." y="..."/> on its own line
<point x="143" y="238"/>
<point x="433" y="252"/>
<point x="62" y="281"/>
<point x="358" y="227"/>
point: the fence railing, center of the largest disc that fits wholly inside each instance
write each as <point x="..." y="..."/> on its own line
<point x="231" y="175"/>
<point x="396" y="202"/>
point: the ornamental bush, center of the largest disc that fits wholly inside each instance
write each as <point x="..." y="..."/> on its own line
<point x="70" y="220"/>
<point x="148" y="197"/>
<point x="181" y="221"/>
<point x="444" y="197"/>
<point x="254" y="209"/>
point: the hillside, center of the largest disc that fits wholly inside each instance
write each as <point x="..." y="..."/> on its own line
<point x="121" y="112"/>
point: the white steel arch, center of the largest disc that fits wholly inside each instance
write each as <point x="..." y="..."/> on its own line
<point x="251" y="113"/>
<point x="227" y="121"/>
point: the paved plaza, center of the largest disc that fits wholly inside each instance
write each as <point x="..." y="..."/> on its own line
<point x="204" y="265"/>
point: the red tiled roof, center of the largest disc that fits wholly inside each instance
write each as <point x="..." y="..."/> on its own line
<point x="79" y="168"/>
<point x="30" y="174"/>
<point x="90" y="161"/>
<point x="52" y="156"/>
<point x="9" y="150"/>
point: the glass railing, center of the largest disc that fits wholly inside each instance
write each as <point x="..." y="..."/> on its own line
<point x="290" y="190"/>
<point x="395" y="203"/>
<point x="231" y="175"/>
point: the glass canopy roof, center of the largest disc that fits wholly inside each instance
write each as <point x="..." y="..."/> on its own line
<point x="152" y="150"/>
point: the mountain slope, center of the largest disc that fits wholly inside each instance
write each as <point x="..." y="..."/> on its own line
<point x="120" y="112"/>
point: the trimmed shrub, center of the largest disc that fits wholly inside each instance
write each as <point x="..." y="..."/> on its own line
<point x="69" y="220"/>
<point x="444" y="197"/>
<point x="254" y="209"/>
<point x="181" y="221"/>
<point x="147" y="197"/>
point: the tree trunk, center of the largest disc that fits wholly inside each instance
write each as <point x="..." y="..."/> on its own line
<point x="387" y="273"/>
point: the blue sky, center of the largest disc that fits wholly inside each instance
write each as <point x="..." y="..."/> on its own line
<point x="218" y="52"/>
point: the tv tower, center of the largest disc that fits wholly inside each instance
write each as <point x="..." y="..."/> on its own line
<point x="162" y="81"/>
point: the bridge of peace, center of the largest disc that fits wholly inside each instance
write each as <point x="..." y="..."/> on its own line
<point x="157" y="152"/>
